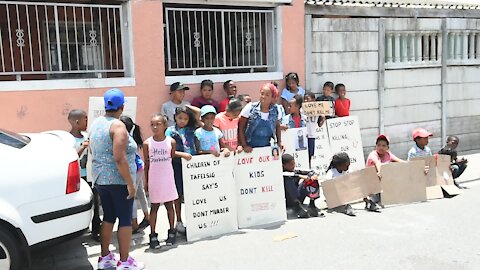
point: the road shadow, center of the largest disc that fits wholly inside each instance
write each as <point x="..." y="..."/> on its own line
<point x="69" y="255"/>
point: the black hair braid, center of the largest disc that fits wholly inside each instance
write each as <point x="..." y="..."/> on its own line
<point x="338" y="159"/>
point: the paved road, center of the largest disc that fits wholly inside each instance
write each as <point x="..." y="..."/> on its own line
<point x="439" y="234"/>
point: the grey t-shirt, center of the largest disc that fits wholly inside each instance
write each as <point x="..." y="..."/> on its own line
<point x="168" y="108"/>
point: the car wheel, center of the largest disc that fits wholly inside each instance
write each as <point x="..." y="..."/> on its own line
<point x="9" y="252"/>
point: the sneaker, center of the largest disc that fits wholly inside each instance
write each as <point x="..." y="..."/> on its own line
<point x="172" y="235"/>
<point x="107" y="262"/>
<point x="373" y="207"/>
<point x="180" y="227"/>
<point x="349" y="210"/>
<point x="130" y="264"/>
<point x="144" y="224"/>
<point x="313" y="211"/>
<point x="154" y="243"/>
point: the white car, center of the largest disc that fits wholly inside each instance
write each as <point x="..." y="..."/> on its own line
<point x="42" y="198"/>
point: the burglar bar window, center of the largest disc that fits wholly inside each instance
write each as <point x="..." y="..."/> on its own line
<point x="214" y="41"/>
<point x="60" y="41"/>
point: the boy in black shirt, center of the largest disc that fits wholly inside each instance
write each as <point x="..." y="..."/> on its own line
<point x="298" y="185"/>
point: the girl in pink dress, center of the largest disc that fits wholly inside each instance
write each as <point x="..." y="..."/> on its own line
<point x="158" y="151"/>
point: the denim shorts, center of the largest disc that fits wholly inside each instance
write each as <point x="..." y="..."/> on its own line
<point x="115" y="204"/>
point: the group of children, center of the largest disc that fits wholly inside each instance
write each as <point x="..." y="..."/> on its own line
<point x="182" y="130"/>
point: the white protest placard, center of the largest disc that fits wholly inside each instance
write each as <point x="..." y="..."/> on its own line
<point x="296" y="144"/>
<point x="260" y="191"/>
<point x="210" y="201"/>
<point x="96" y="108"/>
<point x="317" y="108"/>
<point x="323" y="155"/>
<point x="344" y="135"/>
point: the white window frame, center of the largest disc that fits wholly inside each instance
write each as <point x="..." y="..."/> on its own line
<point x="87" y="83"/>
<point x="275" y="74"/>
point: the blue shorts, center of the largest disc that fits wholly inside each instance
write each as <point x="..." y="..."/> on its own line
<point x="115" y="204"/>
<point x="178" y="174"/>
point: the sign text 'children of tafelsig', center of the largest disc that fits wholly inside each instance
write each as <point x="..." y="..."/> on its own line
<point x="210" y="201"/>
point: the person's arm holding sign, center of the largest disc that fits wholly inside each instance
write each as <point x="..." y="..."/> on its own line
<point x="119" y="135"/>
<point x="242" y="140"/>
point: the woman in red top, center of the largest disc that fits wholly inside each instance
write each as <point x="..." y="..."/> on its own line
<point x="342" y="104"/>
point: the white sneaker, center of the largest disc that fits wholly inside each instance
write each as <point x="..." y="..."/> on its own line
<point x="109" y="261"/>
<point x="130" y="264"/>
<point x="180" y="227"/>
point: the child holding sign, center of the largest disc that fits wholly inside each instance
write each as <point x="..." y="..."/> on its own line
<point x="183" y="134"/>
<point x="295" y="119"/>
<point x="381" y="155"/>
<point x="327" y="96"/>
<point x="339" y="166"/>
<point x="312" y="123"/>
<point x="158" y="151"/>
<point x="260" y="121"/>
<point x="208" y="139"/>
<point x="299" y="185"/>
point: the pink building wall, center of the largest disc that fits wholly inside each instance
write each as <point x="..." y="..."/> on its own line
<point x="33" y="111"/>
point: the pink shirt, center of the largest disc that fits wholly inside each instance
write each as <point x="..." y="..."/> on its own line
<point x="229" y="128"/>
<point x="373" y="156"/>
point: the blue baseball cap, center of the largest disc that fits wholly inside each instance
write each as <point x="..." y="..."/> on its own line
<point x="207" y="109"/>
<point x="114" y="99"/>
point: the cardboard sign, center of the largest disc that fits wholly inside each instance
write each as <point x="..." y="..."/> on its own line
<point x="260" y="191"/>
<point x="210" y="203"/>
<point x="96" y="108"/>
<point x="317" y="108"/>
<point x="296" y="144"/>
<point x="403" y="182"/>
<point x="344" y="135"/>
<point x="322" y="155"/>
<point x="439" y="172"/>
<point x="351" y="187"/>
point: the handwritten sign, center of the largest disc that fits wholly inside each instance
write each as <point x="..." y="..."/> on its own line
<point x="344" y="135"/>
<point x="317" y="108"/>
<point x="351" y="187"/>
<point x="260" y="191"/>
<point x="210" y="203"/>
<point x="323" y="155"/>
<point x="296" y="144"/>
<point x="96" y="108"/>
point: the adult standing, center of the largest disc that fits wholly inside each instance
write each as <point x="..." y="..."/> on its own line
<point x="113" y="171"/>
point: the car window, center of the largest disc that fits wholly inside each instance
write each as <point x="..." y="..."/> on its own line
<point x="13" y="139"/>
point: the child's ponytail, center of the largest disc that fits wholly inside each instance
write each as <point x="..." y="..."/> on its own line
<point x="337" y="160"/>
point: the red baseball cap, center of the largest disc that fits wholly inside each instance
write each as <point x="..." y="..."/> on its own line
<point x="420" y="132"/>
<point x="383" y="137"/>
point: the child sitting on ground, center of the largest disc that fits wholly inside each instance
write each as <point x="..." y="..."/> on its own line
<point x="299" y="185"/>
<point x="420" y="148"/>
<point x="458" y="165"/>
<point x="338" y="167"/>
<point x="381" y="155"/>
<point x="454" y="165"/>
